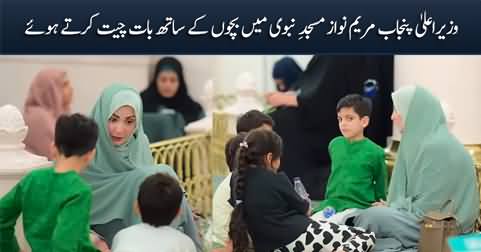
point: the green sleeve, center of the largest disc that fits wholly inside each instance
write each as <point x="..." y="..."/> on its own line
<point x="72" y="228"/>
<point x="10" y="209"/>
<point x="380" y="177"/>
<point x="323" y="204"/>
<point x="327" y="191"/>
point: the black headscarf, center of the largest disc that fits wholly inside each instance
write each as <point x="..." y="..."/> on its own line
<point x="181" y="102"/>
<point x="286" y="69"/>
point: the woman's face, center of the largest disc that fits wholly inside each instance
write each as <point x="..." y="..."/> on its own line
<point x="67" y="93"/>
<point x="121" y="125"/>
<point x="397" y="120"/>
<point x="280" y="85"/>
<point x="167" y="84"/>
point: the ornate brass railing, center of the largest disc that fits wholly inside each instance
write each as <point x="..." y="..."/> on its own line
<point x="189" y="157"/>
<point x="223" y="129"/>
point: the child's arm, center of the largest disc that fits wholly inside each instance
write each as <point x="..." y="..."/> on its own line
<point x="380" y="177"/>
<point x="290" y="195"/>
<point x="10" y="209"/>
<point x="72" y="227"/>
<point x="329" y="149"/>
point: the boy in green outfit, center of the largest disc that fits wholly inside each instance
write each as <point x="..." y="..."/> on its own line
<point x="54" y="201"/>
<point x="358" y="172"/>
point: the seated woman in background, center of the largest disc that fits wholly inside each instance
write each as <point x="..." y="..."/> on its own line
<point x="433" y="172"/>
<point x="168" y="90"/>
<point x="285" y="74"/>
<point x="50" y="96"/>
<point x="122" y="162"/>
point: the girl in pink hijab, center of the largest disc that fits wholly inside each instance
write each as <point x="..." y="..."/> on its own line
<point x="50" y="95"/>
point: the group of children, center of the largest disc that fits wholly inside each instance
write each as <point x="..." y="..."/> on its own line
<point x="256" y="205"/>
<point x="264" y="210"/>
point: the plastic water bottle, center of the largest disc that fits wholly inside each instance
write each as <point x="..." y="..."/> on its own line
<point x="301" y="190"/>
<point x="328" y="212"/>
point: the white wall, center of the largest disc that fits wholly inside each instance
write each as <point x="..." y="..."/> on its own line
<point x="302" y="61"/>
<point x="454" y="79"/>
<point x="222" y="69"/>
<point x="90" y="74"/>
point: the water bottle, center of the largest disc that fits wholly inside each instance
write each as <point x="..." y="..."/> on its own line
<point x="328" y="212"/>
<point x="301" y="190"/>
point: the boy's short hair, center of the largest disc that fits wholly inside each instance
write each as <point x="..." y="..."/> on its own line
<point x="159" y="199"/>
<point x="253" y="119"/>
<point x="231" y="149"/>
<point x="75" y="135"/>
<point x="361" y="105"/>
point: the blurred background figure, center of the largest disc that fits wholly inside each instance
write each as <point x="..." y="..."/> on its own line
<point x="285" y="74"/>
<point x="50" y="96"/>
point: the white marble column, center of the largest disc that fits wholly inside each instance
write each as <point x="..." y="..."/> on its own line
<point x="16" y="162"/>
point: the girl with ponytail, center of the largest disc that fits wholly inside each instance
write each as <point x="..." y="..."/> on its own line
<point x="269" y="212"/>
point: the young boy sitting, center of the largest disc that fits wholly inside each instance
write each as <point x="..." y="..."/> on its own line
<point x="158" y="203"/>
<point x="54" y="201"/>
<point x="358" y="173"/>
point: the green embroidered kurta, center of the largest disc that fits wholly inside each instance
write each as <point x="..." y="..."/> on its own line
<point x="358" y="175"/>
<point x="56" y="211"/>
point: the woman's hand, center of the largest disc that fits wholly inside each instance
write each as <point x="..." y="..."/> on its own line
<point x="102" y="246"/>
<point x="380" y="203"/>
<point x="227" y="247"/>
<point x="98" y="242"/>
<point x="277" y="99"/>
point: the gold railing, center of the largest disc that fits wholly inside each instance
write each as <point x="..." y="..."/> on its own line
<point x="390" y="155"/>
<point x="189" y="157"/>
<point x="197" y="159"/>
<point x="475" y="152"/>
<point x="223" y="129"/>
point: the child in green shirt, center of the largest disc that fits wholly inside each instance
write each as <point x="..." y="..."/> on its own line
<point x="358" y="172"/>
<point x="54" y="201"/>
